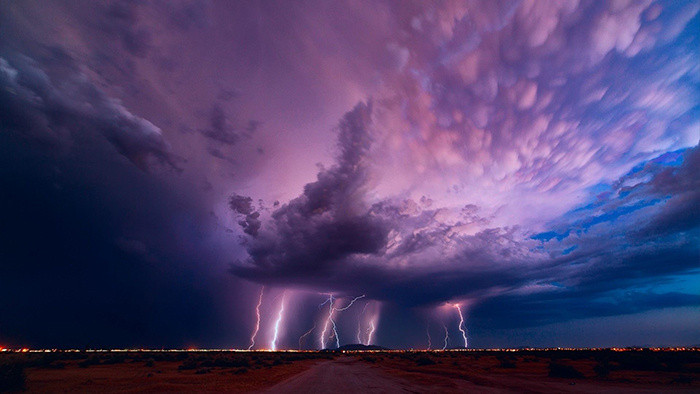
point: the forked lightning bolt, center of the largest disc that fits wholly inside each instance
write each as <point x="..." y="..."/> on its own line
<point x="306" y="334"/>
<point x="329" y="319"/>
<point x="350" y="304"/>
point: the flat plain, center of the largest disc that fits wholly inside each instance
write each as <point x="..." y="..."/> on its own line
<point x="535" y="371"/>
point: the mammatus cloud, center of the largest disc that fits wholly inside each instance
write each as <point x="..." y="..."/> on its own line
<point x="410" y="252"/>
<point x="444" y="186"/>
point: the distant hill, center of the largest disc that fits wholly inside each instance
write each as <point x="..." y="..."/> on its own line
<point x="358" y="346"/>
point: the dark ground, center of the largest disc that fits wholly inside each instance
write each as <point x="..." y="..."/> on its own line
<point x="319" y="372"/>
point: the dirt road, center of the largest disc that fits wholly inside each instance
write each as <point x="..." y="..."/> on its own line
<point x="348" y="375"/>
<point x="345" y="375"/>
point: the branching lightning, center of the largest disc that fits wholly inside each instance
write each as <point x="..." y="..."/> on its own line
<point x="447" y="336"/>
<point x="335" y="333"/>
<point x="273" y="345"/>
<point x="329" y="319"/>
<point x="331" y="322"/>
<point x="306" y="334"/>
<point x="257" y="321"/>
<point x="350" y="304"/>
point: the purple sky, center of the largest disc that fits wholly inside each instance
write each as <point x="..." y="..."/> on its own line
<point x="533" y="162"/>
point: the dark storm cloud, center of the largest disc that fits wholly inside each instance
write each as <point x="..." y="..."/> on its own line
<point x="219" y="128"/>
<point x="105" y="254"/>
<point x="244" y="206"/>
<point x="515" y="311"/>
<point x="185" y="15"/>
<point x="222" y="130"/>
<point x="56" y="112"/>
<point x="327" y="223"/>
<point x="535" y="161"/>
<point x="120" y="19"/>
<point x="96" y="250"/>
<point x="403" y="252"/>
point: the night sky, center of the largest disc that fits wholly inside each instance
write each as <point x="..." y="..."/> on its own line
<point x="167" y="166"/>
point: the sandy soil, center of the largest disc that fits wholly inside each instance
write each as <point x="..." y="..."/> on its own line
<point x="164" y="376"/>
<point x="352" y="375"/>
<point x="344" y="374"/>
<point x="485" y="374"/>
<point x="385" y="372"/>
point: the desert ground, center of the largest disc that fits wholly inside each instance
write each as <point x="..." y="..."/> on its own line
<point x="533" y="371"/>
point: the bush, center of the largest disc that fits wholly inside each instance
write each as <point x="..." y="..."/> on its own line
<point x="683" y="379"/>
<point x="113" y="359"/>
<point x="425" y="360"/>
<point x="188" y="364"/>
<point x="93" y="360"/>
<point x="640" y="361"/>
<point x="602" y="369"/>
<point x="557" y="370"/>
<point x="56" y="365"/>
<point x="507" y="364"/>
<point x="227" y="362"/>
<point x="12" y="378"/>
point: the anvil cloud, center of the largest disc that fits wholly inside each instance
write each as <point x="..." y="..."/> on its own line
<point x="534" y="162"/>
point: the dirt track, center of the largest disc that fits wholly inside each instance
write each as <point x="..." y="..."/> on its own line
<point x="349" y="375"/>
<point x="344" y="375"/>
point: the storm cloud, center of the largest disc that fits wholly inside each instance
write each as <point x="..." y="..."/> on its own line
<point x="535" y="162"/>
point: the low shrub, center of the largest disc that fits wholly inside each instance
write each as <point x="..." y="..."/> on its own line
<point x="12" y="378"/>
<point x="425" y="360"/>
<point x="557" y="370"/>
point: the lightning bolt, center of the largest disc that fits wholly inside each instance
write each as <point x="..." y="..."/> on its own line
<point x="335" y="333"/>
<point x="329" y="319"/>
<point x="306" y="334"/>
<point x="331" y="322"/>
<point x="273" y="345"/>
<point x="257" y="322"/>
<point x="371" y="332"/>
<point x="350" y="304"/>
<point x="447" y="336"/>
<point x="427" y="331"/>
<point x="461" y="325"/>
<point x="359" y="323"/>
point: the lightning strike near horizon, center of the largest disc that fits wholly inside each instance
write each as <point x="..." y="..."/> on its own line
<point x="447" y="336"/>
<point x="461" y="325"/>
<point x="306" y="334"/>
<point x="335" y="334"/>
<point x="330" y="301"/>
<point x="273" y="345"/>
<point x="370" y="333"/>
<point x="359" y="323"/>
<point x="257" y="321"/>
<point x="427" y="331"/>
